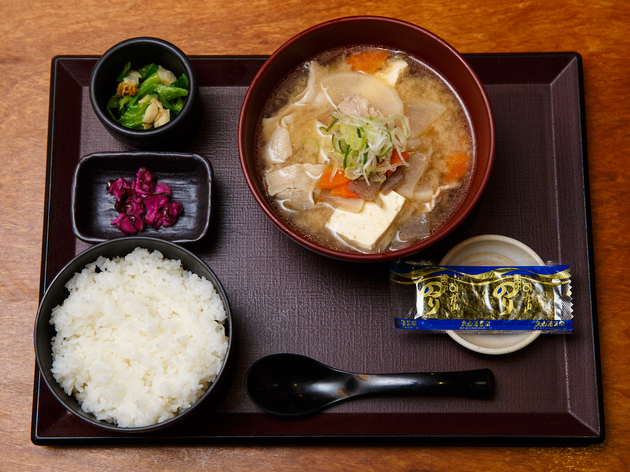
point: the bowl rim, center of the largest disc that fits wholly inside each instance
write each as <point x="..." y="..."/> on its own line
<point x="450" y="225"/>
<point x="112" y="52"/>
<point x="96" y="251"/>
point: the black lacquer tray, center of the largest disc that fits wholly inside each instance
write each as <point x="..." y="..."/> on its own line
<point x="285" y="298"/>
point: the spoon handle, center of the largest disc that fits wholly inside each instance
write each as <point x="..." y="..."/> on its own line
<point x="470" y="383"/>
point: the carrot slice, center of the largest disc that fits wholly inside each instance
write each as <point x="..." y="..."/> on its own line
<point x="456" y="167"/>
<point x="368" y="61"/>
<point x="330" y="180"/>
<point x="397" y="158"/>
<point x="343" y="192"/>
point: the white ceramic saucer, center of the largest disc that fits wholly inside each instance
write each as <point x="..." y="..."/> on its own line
<point x="492" y="250"/>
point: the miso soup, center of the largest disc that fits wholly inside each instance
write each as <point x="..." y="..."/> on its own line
<point x="365" y="149"/>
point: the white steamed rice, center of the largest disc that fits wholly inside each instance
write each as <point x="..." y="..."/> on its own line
<point x="139" y="339"/>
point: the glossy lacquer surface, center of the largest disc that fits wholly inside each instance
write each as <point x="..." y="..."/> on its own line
<point x="294" y="385"/>
<point x="285" y="298"/>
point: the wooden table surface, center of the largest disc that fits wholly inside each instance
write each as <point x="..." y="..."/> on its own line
<point x="33" y="32"/>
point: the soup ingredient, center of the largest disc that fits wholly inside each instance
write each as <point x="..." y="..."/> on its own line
<point x="396" y="160"/>
<point x="343" y="191"/>
<point x="139" y="339"/>
<point x="332" y="178"/>
<point x="363" y="147"/>
<point x="380" y="95"/>
<point x="456" y="167"/>
<point x="368" y="61"/>
<point x="392" y="70"/>
<point x="295" y="184"/>
<point x="364" y="189"/>
<point x="369" y="226"/>
<point x="143" y="201"/>
<point x="147" y="98"/>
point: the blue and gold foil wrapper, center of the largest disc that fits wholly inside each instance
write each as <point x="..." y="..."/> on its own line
<point x="482" y="299"/>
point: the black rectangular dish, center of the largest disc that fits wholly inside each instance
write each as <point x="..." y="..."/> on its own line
<point x="285" y="298"/>
<point x="189" y="177"/>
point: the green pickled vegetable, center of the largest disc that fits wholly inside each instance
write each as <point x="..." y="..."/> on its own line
<point x="124" y="72"/>
<point x="169" y="94"/>
<point x="178" y="105"/>
<point x="134" y="115"/>
<point x="182" y="82"/>
<point x="132" y="107"/>
<point x="147" y="70"/>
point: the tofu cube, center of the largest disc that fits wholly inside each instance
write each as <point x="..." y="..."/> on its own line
<point x="367" y="227"/>
<point x="391" y="72"/>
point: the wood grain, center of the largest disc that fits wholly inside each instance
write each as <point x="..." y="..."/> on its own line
<point x="34" y="32"/>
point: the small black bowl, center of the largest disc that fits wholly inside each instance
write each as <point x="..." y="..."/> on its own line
<point x="57" y="293"/>
<point x="142" y="51"/>
<point x="188" y="175"/>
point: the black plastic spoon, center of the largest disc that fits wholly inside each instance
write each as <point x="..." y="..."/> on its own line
<point x="294" y="385"/>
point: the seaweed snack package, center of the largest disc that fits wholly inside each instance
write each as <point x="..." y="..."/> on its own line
<point x="481" y="299"/>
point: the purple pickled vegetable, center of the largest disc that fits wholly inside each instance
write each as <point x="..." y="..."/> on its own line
<point x="118" y="218"/>
<point x="133" y="193"/>
<point x="129" y="223"/>
<point x="136" y="221"/>
<point x="174" y="209"/>
<point x="162" y="188"/>
<point x="131" y="207"/>
<point x="118" y="188"/>
<point x="153" y="204"/>
<point x="143" y="201"/>
<point x="144" y="181"/>
<point x="167" y="216"/>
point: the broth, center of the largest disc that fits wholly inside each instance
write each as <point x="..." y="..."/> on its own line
<point x="364" y="150"/>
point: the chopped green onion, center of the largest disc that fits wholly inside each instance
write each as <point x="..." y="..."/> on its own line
<point x="311" y="146"/>
<point x="365" y="145"/>
<point x="327" y="130"/>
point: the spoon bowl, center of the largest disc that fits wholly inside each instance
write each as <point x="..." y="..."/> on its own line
<point x="295" y="385"/>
